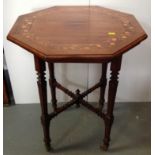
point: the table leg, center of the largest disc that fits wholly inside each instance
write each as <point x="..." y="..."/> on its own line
<point x="103" y="81"/>
<point x="40" y="68"/>
<point x="113" y="83"/>
<point x="52" y="82"/>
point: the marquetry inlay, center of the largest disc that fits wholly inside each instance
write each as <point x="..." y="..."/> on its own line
<point x="76" y="30"/>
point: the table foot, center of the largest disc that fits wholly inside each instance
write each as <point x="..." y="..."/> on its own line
<point x="48" y="147"/>
<point x="104" y="147"/>
<point x="47" y="140"/>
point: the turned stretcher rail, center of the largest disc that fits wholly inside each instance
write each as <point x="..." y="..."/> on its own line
<point x="82" y="95"/>
<point x="76" y="98"/>
<point x="90" y="107"/>
<point x="62" y="108"/>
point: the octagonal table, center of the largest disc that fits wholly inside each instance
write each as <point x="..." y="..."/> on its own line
<point x="77" y="34"/>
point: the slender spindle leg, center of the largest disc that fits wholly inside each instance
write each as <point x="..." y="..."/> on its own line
<point x="78" y="102"/>
<point x="103" y="81"/>
<point x="40" y="68"/>
<point x="113" y="83"/>
<point x="52" y="82"/>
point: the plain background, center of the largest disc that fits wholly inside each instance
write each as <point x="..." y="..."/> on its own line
<point x="136" y="68"/>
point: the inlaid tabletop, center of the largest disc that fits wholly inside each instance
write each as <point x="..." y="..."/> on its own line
<point x="79" y="33"/>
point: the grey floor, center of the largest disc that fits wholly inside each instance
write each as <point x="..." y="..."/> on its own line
<point x="77" y="131"/>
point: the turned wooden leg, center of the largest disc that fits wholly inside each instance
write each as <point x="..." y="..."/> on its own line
<point x="78" y="102"/>
<point x="40" y="68"/>
<point x="103" y="81"/>
<point x="52" y="82"/>
<point x="113" y="83"/>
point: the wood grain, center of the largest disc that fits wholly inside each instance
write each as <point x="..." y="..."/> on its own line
<point x="77" y="33"/>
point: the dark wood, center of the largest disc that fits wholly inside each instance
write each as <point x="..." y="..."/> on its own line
<point x="103" y="82"/>
<point x="93" y="109"/>
<point x="85" y="93"/>
<point x="63" y="107"/>
<point x="78" y="94"/>
<point x="65" y="90"/>
<point x="113" y="83"/>
<point x="52" y="82"/>
<point x="5" y="94"/>
<point x="8" y="97"/>
<point x="77" y="99"/>
<point x="77" y="33"/>
<point x="45" y="119"/>
<point x="82" y="95"/>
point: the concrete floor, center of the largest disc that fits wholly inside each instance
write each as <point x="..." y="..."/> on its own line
<point x="77" y="131"/>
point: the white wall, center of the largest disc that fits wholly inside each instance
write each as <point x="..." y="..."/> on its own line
<point x="135" y="73"/>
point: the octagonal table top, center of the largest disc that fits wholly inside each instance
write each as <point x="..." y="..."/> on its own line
<point x="77" y="33"/>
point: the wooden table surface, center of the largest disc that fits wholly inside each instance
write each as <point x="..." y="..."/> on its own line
<point x="77" y="33"/>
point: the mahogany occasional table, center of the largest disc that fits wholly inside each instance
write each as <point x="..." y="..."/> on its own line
<point x="77" y="34"/>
